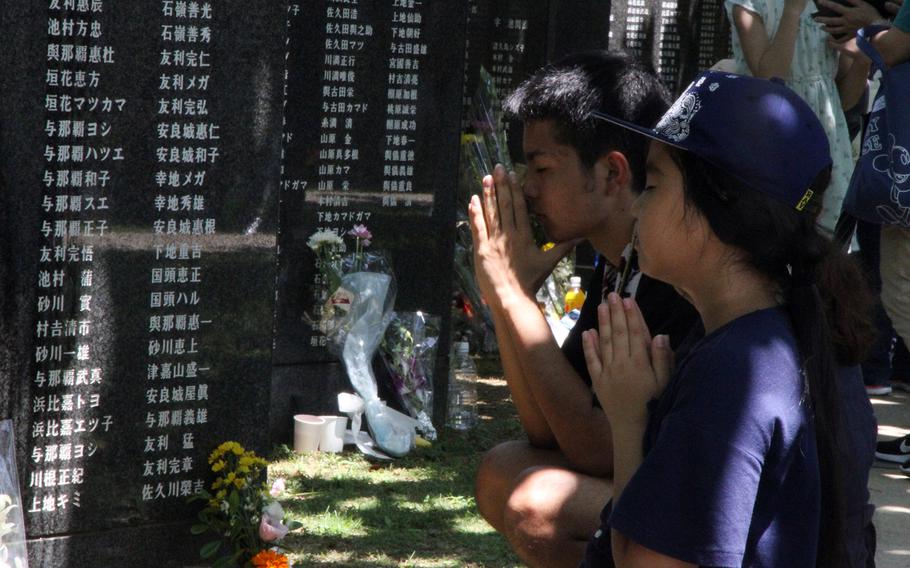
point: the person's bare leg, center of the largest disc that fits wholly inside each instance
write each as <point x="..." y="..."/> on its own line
<point x="551" y="513"/>
<point x="500" y="469"/>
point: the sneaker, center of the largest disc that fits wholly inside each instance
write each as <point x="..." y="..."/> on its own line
<point x="897" y="451"/>
<point x="878" y="390"/>
<point x="899" y="384"/>
<point x="905" y="469"/>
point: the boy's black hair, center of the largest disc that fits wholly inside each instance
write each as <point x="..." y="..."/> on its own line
<point x="614" y="82"/>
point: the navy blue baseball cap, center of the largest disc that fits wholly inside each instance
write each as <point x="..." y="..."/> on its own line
<point x="755" y="129"/>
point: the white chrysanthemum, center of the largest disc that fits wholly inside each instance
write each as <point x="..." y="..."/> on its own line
<point x="325" y="238"/>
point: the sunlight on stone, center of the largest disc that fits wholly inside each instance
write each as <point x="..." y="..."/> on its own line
<point x="892" y="509"/>
<point x="892" y="431"/>
<point x="895" y="476"/>
<point x="883" y="402"/>
<point x="898" y="552"/>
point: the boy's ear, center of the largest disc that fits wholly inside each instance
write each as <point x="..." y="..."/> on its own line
<point x="614" y="169"/>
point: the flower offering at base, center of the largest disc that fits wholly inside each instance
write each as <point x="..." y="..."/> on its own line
<point x="242" y="511"/>
<point x="270" y="559"/>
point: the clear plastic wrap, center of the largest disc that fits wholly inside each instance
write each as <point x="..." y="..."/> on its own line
<point x="362" y="307"/>
<point x="12" y="527"/>
<point x="409" y="352"/>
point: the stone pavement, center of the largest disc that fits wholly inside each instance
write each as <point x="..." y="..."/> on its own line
<point x="890" y="490"/>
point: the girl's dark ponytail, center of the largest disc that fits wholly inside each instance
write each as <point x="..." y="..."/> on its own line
<point x="814" y="281"/>
<point x="809" y="320"/>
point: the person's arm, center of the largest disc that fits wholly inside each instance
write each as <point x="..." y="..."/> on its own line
<point x="548" y="392"/>
<point x="628" y="369"/>
<point x="893" y="44"/>
<point x="532" y="419"/>
<point x="848" y="19"/>
<point x="852" y="74"/>
<point x="765" y="57"/>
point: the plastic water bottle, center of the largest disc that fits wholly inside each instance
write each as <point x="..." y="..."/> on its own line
<point x="575" y="297"/>
<point x="462" y="401"/>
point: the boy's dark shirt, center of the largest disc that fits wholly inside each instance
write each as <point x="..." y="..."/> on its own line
<point x="665" y="312"/>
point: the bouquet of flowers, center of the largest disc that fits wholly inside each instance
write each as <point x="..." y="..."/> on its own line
<point x="409" y="352"/>
<point x="361" y="292"/>
<point x="242" y="509"/>
<point x="333" y="265"/>
<point x="328" y="247"/>
<point x="482" y="147"/>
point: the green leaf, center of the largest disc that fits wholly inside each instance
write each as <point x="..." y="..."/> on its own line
<point x="224" y="561"/>
<point x="198" y="529"/>
<point x="294" y="525"/>
<point x="234" y="499"/>
<point x="210" y="549"/>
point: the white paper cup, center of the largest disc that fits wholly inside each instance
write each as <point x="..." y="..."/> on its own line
<point x="307" y="432"/>
<point x="332" y="439"/>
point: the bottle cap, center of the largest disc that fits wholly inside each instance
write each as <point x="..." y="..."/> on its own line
<point x="575" y="281"/>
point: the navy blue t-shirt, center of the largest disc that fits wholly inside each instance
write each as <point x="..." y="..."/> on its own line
<point x="730" y="474"/>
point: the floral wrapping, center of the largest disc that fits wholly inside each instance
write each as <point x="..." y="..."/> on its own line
<point x="12" y="528"/>
<point x="409" y="353"/>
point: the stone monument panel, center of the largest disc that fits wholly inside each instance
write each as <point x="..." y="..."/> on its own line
<point x="577" y="26"/>
<point x="510" y="40"/>
<point x="140" y="163"/>
<point x="679" y="37"/>
<point x="372" y="115"/>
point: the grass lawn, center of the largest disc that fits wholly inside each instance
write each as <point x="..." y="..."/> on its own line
<point x="417" y="511"/>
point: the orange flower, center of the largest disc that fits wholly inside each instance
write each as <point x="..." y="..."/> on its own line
<point x="270" y="559"/>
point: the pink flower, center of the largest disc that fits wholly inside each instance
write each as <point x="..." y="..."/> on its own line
<point x="366" y="242"/>
<point x="271" y="529"/>
<point x="277" y="488"/>
<point x="360" y="232"/>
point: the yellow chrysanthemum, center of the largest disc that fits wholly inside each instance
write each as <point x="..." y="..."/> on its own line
<point x="218" y="466"/>
<point x="547" y="246"/>
<point x="239" y="483"/>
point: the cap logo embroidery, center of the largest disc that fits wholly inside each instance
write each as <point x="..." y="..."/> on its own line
<point x="713" y="87"/>
<point x="675" y="124"/>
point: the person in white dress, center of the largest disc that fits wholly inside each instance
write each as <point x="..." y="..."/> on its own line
<point x="779" y="38"/>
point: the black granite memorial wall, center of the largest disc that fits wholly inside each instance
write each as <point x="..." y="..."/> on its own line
<point x="139" y="154"/>
<point x="679" y="37"/>
<point x="337" y="170"/>
<point x="371" y="137"/>
<point x="144" y="148"/>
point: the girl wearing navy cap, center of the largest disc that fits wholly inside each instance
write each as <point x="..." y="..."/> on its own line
<point x="730" y="458"/>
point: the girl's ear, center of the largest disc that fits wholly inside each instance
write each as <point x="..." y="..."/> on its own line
<point x="614" y="169"/>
